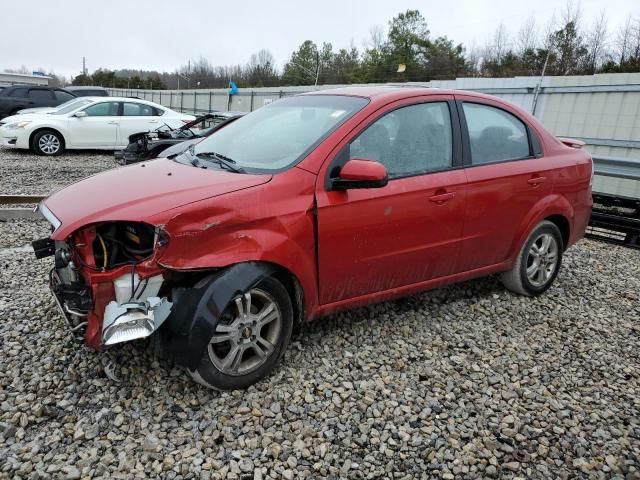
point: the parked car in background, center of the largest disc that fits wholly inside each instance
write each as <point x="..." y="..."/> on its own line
<point x="79" y="101"/>
<point x="149" y="145"/>
<point x="18" y="97"/>
<point x="87" y="91"/>
<point x="105" y="123"/>
<point x="310" y="205"/>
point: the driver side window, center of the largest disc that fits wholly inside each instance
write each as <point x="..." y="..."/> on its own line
<point x="409" y="140"/>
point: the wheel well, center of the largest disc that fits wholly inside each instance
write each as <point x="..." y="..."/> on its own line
<point x="296" y="293"/>
<point x="44" y="129"/>
<point x="563" y="225"/>
<point x="289" y="281"/>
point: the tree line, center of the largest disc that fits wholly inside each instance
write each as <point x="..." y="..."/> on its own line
<point x="407" y="51"/>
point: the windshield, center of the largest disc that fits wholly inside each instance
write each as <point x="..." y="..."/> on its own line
<point x="71" y="105"/>
<point x="281" y="133"/>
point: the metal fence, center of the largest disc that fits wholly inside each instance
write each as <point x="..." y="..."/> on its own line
<point x="602" y="110"/>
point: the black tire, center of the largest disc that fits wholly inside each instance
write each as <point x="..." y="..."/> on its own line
<point x="518" y="279"/>
<point x="211" y="375"/>
<point x="48" y="143"/>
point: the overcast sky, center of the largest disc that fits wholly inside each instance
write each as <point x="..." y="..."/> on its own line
<point x="163" y="34"/>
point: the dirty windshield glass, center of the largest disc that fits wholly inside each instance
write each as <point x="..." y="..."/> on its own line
<point x="279" y="134"/>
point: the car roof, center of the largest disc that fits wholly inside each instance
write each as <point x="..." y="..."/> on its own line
<point x="83" y="87"/>
<point x="381" y="91"/>
<point x="392" y="92"/>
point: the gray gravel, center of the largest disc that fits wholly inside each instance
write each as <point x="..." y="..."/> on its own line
<point x="22" y="172"/>
<point x="467" y="381"/>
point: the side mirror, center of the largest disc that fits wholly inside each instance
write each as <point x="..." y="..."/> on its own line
<point x="80" y="114"/>
<point x="360" y="173"/>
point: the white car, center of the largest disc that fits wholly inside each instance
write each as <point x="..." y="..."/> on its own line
<point x="74" y="101"/>
<point x="105" y="123"/>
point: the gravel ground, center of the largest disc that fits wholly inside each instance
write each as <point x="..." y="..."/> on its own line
<point x="467" y="381"/>
<point x="22" y="172"/>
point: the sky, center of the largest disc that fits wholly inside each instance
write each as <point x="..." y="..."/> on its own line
<point x="162" y="35"/>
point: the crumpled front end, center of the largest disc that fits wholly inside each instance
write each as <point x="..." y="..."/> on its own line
<point x="106" y="280"/>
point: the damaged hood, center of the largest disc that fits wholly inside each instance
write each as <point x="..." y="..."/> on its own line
<point x="139" y="191"/>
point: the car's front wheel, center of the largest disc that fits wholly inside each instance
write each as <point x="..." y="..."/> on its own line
<point x="538" y="262"/>
<point x="48" y="142"/>
<point x="249" y="339"/>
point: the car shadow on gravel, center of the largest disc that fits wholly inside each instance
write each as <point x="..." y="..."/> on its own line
<point x="471" y="289"/>
<point x="130" y="365"/>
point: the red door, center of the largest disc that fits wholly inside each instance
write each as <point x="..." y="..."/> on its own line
<point x="371" y="240"/>
<point x="506" y="178"/>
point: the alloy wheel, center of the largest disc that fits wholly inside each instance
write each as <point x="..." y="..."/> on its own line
<point x="542" y="259"/>
<point x="49" y="144"/>
<point x="246" y="334"/>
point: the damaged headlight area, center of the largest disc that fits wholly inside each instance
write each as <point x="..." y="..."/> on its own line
<point x="106" y="280"/>
<point x="137" y="310"/>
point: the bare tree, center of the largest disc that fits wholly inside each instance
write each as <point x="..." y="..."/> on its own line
<point x="634" y="43"/>
<point x="23" y="70"/>
<point x="596" y="40"/>
<point x="474" y="60"/>
<point x="498" y="45"/>
<point x="261" y="70"/>
<point x="624" y="40"/>
<point x="376" y="38"/>
<point x="571" y="13"/>
<point x="527" y="38"/>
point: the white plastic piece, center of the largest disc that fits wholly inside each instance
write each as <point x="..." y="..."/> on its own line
<point x="149" y="288"/>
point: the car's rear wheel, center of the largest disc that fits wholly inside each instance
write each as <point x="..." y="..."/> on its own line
<point x="250" y="337"/>
<point x="538" y="262"/>
<point x="48" y="142"/>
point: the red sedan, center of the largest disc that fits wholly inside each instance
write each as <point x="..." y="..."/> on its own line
<point x="310" y="205"/>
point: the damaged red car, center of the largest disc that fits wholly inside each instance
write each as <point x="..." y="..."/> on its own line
<point x="307" y="206"/>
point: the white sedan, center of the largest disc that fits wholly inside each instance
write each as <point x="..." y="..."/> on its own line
<point x="105" y="123"/>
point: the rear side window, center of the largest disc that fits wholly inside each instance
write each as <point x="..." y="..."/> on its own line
<point x="494" y="134"/>
<point x="39" y="94"/>
<point x="17" y="92"/>
<point x="62" y="96"/>
<point x="408" y="141"/>
<point x="91" y="93"/>
<point x="105" y="109"/>
<point x="138" y="110"/>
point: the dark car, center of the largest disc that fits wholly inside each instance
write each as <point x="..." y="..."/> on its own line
<point x="18" y="97"/>
<point x="149" y="145"/>
<point x="85" y="91"/>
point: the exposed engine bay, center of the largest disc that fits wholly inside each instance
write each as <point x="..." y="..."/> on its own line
<point x="104" y="270"/>
<point x="122" y="243"/>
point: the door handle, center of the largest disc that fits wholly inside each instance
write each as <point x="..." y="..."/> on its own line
<point x="535" y="181"/>
<point x="442" y="197"/>
<point x="113" y="122"/>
